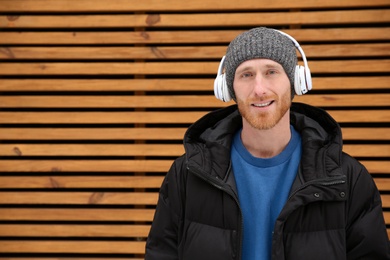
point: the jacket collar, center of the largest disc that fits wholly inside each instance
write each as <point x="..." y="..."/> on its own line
<point x="207" y="142"/>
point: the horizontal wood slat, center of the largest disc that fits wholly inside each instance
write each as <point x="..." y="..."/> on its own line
<point x="85" y="165"/>
<point x="82" y="117"/>
<point x="367" y="150"/>
<point x="190" y="84"/>
<point x="185" y="37"/>
<point x="72" y="182"/>
<point x="377" y="167"/>
<point x="76" y="214"/>
<point x="385" y="200"/>
<point x="53" y="182"/>
<point x="178" y="101"/>
<point x="383" y="184"/>
<point x="174" y="68"/>
<point x="78" y="247"/>
<point x="17" y="134"/>
<point x="377" y="133"/>
<point x="93" y="134"/>
<point x="179" y="117"/>
<point x="35" y="230"/>
<point x="91" y="150"/>
<point x="178" y="52"/>
<point x="173" y="5"/>
<point x="198" y="20"/>
<point x="121" y="166"/>
<point x="18" y="150"/>
<point x="76" y="198"/>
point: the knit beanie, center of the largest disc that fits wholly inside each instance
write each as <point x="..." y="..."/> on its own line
<point x="260" y="42"/>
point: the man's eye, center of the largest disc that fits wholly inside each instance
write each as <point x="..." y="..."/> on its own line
<point x="271" y="72"/>
<point x="246" y="75"/>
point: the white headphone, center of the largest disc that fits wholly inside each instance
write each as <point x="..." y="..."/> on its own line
<point x="302" y="76"/>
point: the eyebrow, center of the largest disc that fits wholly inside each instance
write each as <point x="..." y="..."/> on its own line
<point x="268" y="65"/>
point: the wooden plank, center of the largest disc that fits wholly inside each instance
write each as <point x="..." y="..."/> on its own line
<point x="349" y="133"/>
<point x="188" y="84"/>
<point x="188" y="37"/>
<point x="366" y="133"/>
<point x="78" y="198"/>
<point x="111" y="166"/>
<point x="173" y="5"/>
<point x="113" y="101"/>
<point x="361" y="116"/>
<point x="197" y="20"/>
<point x="386" y="215"/>
<point x="377" y="167"/>
<point x="178" y="52"/>
<point x="114" y="166"/>
<point x="383" y="184"/>
<point x="81" y="133"/>
<point x="179" y="101"/>
<point x="76" y="247"/>
<point x="75" y="214"/>
<point x="71" y="230"/>
<point x="344" y="100"/>
<point x="113" y="84"/>
<point x="109" y="68"/>
<point x="117" y="53"/>
<point x="124" y="117"/>
<point x="143" y="37"/>
<point x="172" y="68"/>
<point x="385" y="200"/>
<point x="82" y="117"/>
<point x="346" y="50"/>
<point x="54" y="182"/>
<point x="91" y="149"/>
<point x="366" y="150"/>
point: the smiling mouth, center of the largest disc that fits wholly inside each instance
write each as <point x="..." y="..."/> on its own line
<point x="262" y="104"/>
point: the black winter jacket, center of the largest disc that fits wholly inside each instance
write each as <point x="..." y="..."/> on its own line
<point x="334" y="210"/>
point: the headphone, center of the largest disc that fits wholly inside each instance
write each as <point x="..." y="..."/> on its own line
<point x="302" y="76"/>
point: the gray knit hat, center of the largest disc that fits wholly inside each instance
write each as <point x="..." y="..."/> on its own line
<point x="260" y="42"/>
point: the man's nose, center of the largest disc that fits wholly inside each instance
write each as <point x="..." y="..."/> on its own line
<point x="259" y="85"/>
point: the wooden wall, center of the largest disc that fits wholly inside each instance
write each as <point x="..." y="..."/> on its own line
<point x="95" y="97"/>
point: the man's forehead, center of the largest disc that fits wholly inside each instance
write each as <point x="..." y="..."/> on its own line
<point x="258" y="62"/>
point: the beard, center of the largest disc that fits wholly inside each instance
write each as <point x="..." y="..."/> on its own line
<point x="265" y="120"/>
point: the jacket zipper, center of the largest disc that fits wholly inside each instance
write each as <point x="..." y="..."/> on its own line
<point x="212" y="181"/>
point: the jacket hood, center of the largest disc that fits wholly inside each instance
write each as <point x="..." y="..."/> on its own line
<point x="207" y="142"/>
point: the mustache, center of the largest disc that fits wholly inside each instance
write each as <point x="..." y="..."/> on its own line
<point x="258" y="99"/>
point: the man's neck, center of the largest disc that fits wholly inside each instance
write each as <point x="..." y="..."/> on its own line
<point x="266" y="143"/>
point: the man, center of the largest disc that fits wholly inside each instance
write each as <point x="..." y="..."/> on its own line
<point x="266" y="178"/>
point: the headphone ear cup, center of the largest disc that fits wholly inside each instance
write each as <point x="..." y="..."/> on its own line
<point x="225" y="91"/>
<point x="309" y="83"/>
<point x="217" y="87"/>
<point x="221" y="90"/>
<point x="297" y="81"/>
<point x="300" y="80"/>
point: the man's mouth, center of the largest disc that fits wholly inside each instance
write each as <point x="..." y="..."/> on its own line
<point x="266" y="104"/>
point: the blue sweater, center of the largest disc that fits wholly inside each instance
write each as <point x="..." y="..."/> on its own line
<point x="263" y="187"/>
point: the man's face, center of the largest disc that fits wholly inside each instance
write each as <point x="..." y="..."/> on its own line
<point x="263" y="92"/>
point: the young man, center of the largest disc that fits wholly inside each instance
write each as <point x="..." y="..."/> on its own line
<point x="266" y="178"/>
